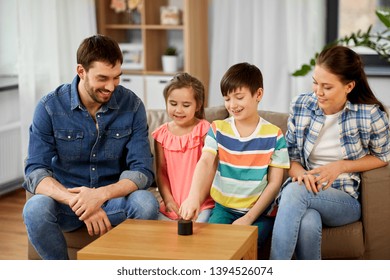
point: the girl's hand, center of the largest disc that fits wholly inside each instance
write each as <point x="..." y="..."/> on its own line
<point x="172" y="206"/>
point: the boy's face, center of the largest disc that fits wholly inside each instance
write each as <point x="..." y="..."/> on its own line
<point x="241" y="104"/>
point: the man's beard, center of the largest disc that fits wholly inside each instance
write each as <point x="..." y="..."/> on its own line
<point x="94" y="93"/>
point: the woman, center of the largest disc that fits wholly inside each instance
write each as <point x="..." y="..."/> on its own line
<point x="334" y="133"/>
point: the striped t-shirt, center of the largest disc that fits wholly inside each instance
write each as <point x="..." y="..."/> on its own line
<point x="243" y="164"/>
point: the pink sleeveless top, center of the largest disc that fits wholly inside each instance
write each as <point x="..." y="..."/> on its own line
<point x="181" y="155"/>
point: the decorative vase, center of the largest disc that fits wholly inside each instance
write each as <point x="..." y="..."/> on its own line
<point x="170" y="63"/>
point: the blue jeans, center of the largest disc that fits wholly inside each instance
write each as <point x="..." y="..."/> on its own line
<point x="47" y="219"/>
<point x="301" y="214"/>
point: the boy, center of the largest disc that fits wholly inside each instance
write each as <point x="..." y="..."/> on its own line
<point x="245" y="154"/>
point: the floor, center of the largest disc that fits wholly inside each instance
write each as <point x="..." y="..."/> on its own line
<point x="13" y="236"/>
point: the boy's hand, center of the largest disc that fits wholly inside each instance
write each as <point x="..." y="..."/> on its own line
<point x="189" y="209"/>
<point x="242" y="221"/>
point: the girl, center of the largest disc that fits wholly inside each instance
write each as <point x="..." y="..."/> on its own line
<point x="178" y="145"/>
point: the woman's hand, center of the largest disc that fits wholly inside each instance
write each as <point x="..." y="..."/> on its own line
<point x="308" y="180"/>
<point x="325" y="175"/>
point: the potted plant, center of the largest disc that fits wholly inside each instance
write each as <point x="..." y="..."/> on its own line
<point x="377" y="41"/>
<point x="170" y="60"/>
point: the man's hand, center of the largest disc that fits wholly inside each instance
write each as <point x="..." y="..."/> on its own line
<point x="97" y="223"/>
<point x="86" y="202"/>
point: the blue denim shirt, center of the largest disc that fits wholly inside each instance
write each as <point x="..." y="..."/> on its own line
<point x="66" y="144"/>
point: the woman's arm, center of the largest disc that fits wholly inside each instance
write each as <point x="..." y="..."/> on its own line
<point x="329" y="172"/>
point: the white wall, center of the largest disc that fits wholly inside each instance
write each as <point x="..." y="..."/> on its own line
<point x="381" y="88"/>
<point x="8" y="40"/>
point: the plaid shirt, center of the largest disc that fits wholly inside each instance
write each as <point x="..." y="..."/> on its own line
<point x="364" y="129"/>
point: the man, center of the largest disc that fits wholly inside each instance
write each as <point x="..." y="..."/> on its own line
<point x="89" y="160"/>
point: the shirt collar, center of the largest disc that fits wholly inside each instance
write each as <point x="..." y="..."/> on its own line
<point x="76" y="102"/>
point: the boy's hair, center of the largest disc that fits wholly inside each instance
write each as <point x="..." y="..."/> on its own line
<point x="185" y="80"/>
<point x="98" y="48"/>
<point x="241" y="75"/>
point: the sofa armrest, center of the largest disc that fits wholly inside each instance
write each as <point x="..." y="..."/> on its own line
<point x="375" y="198"/>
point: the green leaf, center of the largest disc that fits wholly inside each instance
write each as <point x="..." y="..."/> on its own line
<point x="305" y="69"/>
<point x="384" y="16"/>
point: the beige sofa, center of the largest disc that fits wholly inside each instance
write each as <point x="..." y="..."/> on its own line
<point x="368" y="238"/>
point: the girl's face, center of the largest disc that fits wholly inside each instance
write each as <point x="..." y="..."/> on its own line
<point x="242" y="105"/>
<point x="331" y="92"/>
<point x="181" y="106"/>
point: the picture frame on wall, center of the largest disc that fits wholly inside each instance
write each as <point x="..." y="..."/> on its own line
<point x="132" y="56"/>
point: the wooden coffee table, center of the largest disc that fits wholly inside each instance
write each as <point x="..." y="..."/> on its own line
<point x="158" y="240"/>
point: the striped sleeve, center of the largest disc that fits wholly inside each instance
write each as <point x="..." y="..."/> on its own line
<point x="280" y="157"/>
<point x="210" y="143"/>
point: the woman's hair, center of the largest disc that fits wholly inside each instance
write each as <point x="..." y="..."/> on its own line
<point x="185" y="80"/>
<point x="241" y="75"/>
<point x="98" y="48"/>
<point x="348" y="66"/>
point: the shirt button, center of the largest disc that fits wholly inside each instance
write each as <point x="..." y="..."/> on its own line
<point x="69" y="137"/>
<point x="94" y="155"/>
<point x="117" y="134"/>
<point x="93" y="168"/>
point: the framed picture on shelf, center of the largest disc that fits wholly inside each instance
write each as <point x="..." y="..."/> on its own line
<point x="132" y="56"/>
<point x="170" y="15"/>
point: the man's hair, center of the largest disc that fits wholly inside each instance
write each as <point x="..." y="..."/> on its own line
<point x="241" y="75"/>
<point x="98" y="48"/>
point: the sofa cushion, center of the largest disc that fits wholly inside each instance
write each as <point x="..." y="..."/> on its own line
<point x="375" y="198"/>
<point x="345" y="242"/>
<point x="278" y="119"/>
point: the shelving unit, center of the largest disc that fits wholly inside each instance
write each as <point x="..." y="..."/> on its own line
<point x="190" y="37"/>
